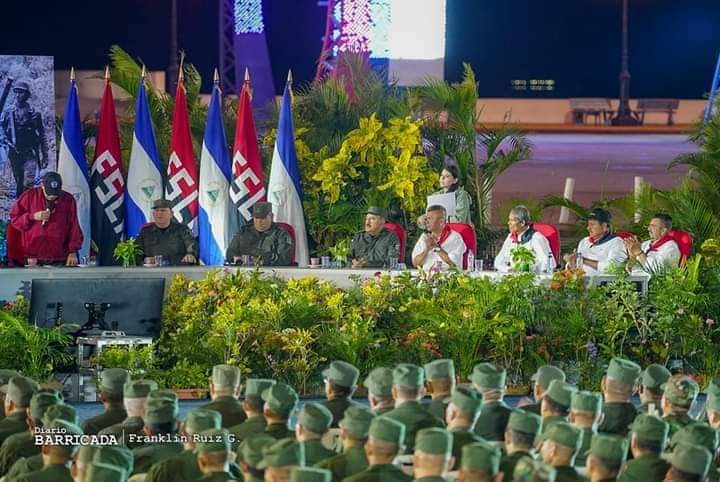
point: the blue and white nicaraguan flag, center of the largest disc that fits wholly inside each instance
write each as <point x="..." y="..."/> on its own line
<point x="218" y="218"/>
<point x="284" y="188"/>
<point x="144" y="180"/>
<point x="72" y="165"/>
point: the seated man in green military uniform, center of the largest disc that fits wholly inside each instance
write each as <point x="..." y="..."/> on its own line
<point x="385" y="442"/>
<point x="250" y="454"/>
<point x="262" y="239"/>
<point x="56" y="453"/>
<point x="522" y="429"/>
<point x="680" y="392"/>
<point x="214" y="455"/>
<point x="354" y="428"/>
<point x="433" y="455"/>
<point x="606" y="457"/>
<point x="166" y="237"/>
<point x="559" y="448"/>
<point x="648" y="438"/>
<point x="375" y="246"/>
<point x="480" y="463"/>
<point x="312" y="423"/>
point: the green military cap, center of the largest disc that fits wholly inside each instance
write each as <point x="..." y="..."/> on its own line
<point x="255" y="386"/>
<point x="202" y="419"/>
<point x="250" y="451"/>
<point x="342" y="373"/>
<point x="226" y="376"/>
<point x="583" y="401"/>
<point x="213" y="441"/>
<point x="547" y="373"/>
<point x="112" y="380"/>
<point x="560" y="392"/>
<point x="433" y="441"/>
<point x="693" y="459"/>
<point x="379" y="382"/>
<point x="162" y="204"/>
<point x="623" y="371"/>
<point x="698" y="434"/>
<point x="6" y="375"/>
<point x="261" y="209"/>
<point x="377" y="211"/>
<point x="408" y="375"/>
<point x="609" y="447"/>
<point x="356" y="420"/>
<point x="281" y="399"/>
<point x="564" y="434"/>
<point x="488" y="376"/>
<point x="466" y="400"/>
<point x="315" y="418"/>
<point x="309" y="474"/>
<point x="524" y="421"/>
<point x="650" y="428"/>
<point x="654" y="376"/>
<point x="60" y="411"/>
<point x="42" y="400"/>
<point x="160" y="410"/>
<point x="86" y="453"/>
<point x="139" y="388"/>
<point x="282" y="453"/>
<point x="387" y="430"/>
<point x="66" y="429"/>
<point x="119" y="457"/>
<point x="436" y="369"/>
<point x="681" y="390"/>
<point x="481" y="456"/>
<point x="20" y="390"/>
<point x="163" y="393"/>
<point x="105" y="472"/>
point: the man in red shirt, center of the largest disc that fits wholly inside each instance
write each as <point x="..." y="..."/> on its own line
<point x="47" y="218"/>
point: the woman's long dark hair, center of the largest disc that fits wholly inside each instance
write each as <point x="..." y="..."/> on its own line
<point x="455" y="172"/>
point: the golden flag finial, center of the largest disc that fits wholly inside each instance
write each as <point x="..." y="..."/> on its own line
<point x="181" y="74"/>
<point x="216" y="77"/>
<point x="247" y="75"/>
<point x="107" y="73"/>
<point x="72" y="74"/>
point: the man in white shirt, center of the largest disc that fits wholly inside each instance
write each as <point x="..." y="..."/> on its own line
<point x="439" y="246"/>
<point x="660" y="252"/>
<point x="601" y="249"/>
<point x="522" y="234"/>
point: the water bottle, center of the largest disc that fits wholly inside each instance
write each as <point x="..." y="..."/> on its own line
<point x="470" y="262"/>
<point x="550" y="264"/>
<point x="3" y="252"/>
<point x="579" y="261"/>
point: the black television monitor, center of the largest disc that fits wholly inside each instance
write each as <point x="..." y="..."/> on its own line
<point x="130" y="305"/>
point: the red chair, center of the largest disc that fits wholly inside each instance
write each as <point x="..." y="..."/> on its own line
<point x="684" y="241"/>
<point x="15" y="254"/>
<point x="291" y="232"/>
<point x="402" y="236"/>
<point x="553" y="236"/>
<point x="468" y="234"/>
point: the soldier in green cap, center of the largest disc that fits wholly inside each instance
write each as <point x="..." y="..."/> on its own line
<point x="555" y="404"/>
<point x="313" y="422"/>
<point x="214" y="455"/>
<point x="280" y="402"/>
<point x="252" y="405"/>
<point x="373" y="247"/>
<point x="184" y="466"/>
<point x="112" y="382"/>
<point x="647" y="443"/>
<point x="280" y="458"/>
<point x="105" y="472"/>
<point x="542" y="378"/>
<point x="161" y="426"/>
<point x="354" y="428"/>
<point x="462" y="414"/>
<point x="702" y="435"/>
<point x="379" y="386"/>
<point x="56" y="453"/>
<point x="5" y="376"/>
<point x="408" y="389"/>
<point x="651" y="381"/>
<point x="250" y="454"/>
<point x="166" y="237"/>
<point x="520" y="434"/>
<point x="18" y="393"/>
<point x="559" y="448"/>
<point x="489" y="380"/>
<point x="481" y="463"/>
<point x="262" y="239"/>
<point x="606" y="457"/>
<point x="81" y="462"/>
<point x="618" y="386"/>
<point x="308" y="474"/>
<point x="135" y="394"/>
<point x="679" y="393"/>
<point x="585" y="413"/>
<point x="340" y="383"/>
<point x="433" y="455"/>
<point x="385" y="442"/>
<point x="119" y="457"/>
<point x="440" y="376"/>
<point x="689" y="463"/>
<point x="225" y="392"/>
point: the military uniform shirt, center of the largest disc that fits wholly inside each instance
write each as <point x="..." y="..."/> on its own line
<point x="568" y="474"/>
<point x="174" y="242"/>
<point x="432" y="478"/>
<point x="279" y="431"/>
<point x="380" y="473"/>
<point x="274" y="245"/>
<point x="414" y="417"/>
<point x="253" y="425"/>
<point x="216" y="477"/>
<point x="375" y="249"/>
<point x="438" y="406"/>
<point x="383" y="410"/>
<point x="12" y="424"/>
<point x="532" y="408"/>
<point x="508" y="463"/>
<point x="460" y="438"/>
<point x="50" y="473"/>
<point x="131" y="425"/>
<point x="645" y="468"/>
<point x="676" y="422"/>
<point x="492" y="421"/>
<point x="180" y="468"/>
<point x="24" y="466"/>
<point x="337" y="407"/>
<point x="587" y="434"/>
<point x="112" y="415"/>
<point x="352" y="461"/>
<point x="316" y="452"/>
<point x="618" y="418"/>
<point x="148" y="455"/>
<point x="230" y="409"/>
<point x="14" y="448"/>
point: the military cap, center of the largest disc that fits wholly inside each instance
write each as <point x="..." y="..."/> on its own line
<point x="52" y="183"/>
<point x="261" y="209"/>
<point x="342" y="373"/>
<point x="524" y="421"/>
<point x="163" y="393"/>
<point x="356" y="421"/>
<point x="377" y="211"/>
<point x="42" y="400"/>
<point x="609" y="447"/>
<point x="120" y="457"/>
<point x="139" y="388"/>
<point x="60" y="411"/>
<point x="255" y="386"/>
<point x="162" y="204"/>
<point x="226" y="376"/>
<point x="583" y="401"/>
<point x="408" y="375"/>
<point x="436" y="369"/>
<point x="66" y="428"/>
<point x="202" y="419"/>
<point x="681" y="390"/>
<point x="281" y="399"/>
<point x="560" y="392"/>
<point x="650" y="428"/>
<point x="160" y="410"/>
<point x="105" y="472"/>
<point x="379" y="382"/>
<point x="564" y="434"/>
<point x="547" y="373"/>
<point x="481" y="456"/>
<point x="112" y="380"/>
<point x="86" y="453"/>
<point x="623" y="371"/>
<point x="387" y="430"/>
<point x="693" y="459"/>
<point x="600" y="215"/>
<point x="21" y="85"/>
<point x="20" y="390"/>
<point x="466" y="400"/>
<point x="250" y="451"/>
<point x="213" y="441"/>
<point x="488" y="376"/>
<point x="654" y="376"/>
<point x="433" y="441"/>
<point x="309" y="474"/>
<point x="315" y="418"/>
<point x="698" y="434"/>
<point x="6" y="375"/>
<point x="283" y="453"/>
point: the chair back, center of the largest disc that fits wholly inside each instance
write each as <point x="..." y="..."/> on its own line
<point x="15" y="253"/>
<point x="291" y="231"/>
<point x="469" y="237"/>
<point x="402" y="236"/>
<point x="684" y="241"/>
<point x="553" y="236"/>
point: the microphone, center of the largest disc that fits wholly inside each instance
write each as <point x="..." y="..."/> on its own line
<point x="49" y="207"/>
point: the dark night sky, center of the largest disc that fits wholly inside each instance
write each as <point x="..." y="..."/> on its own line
<point x="674" y="43"/>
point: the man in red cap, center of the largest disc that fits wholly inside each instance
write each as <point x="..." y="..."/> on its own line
<point x="47" y="218"/>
